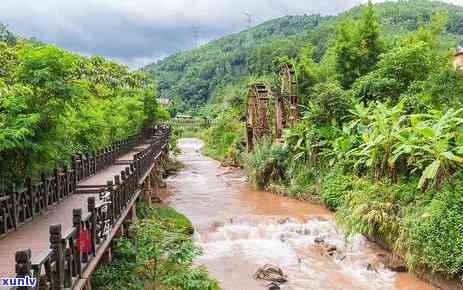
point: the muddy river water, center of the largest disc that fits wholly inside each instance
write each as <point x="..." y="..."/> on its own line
<point x="240" y="229"/>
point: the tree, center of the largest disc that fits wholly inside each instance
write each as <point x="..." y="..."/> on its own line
<point x="307" y="70"/>
<point x="54" y="103"/>
<point x="411" y="67"/>
<point x="357" y="47"/>
<point x="6" y="36"/>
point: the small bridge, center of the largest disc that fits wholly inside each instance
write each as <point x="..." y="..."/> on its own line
<point x="59" y="228"/>
<point x="189" y="123"/>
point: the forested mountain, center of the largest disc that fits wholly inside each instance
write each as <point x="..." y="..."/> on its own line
<point x="195" y="75"/>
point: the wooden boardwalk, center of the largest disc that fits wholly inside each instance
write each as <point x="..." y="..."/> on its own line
<point x="35" y="234"/>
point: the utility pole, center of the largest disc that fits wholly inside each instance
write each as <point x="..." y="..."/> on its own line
<point x="195" y="30"/>
<point x="248" y="18"/>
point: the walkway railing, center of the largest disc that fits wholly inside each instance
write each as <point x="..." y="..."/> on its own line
<point x="71" y="253"/>
<point x="190" y="123"/>
<point x="21" y="206"/>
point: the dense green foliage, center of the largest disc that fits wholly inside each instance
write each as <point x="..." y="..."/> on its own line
<point x="381" y="144"/>
<point x="54" y="103"/>
<point x="6" y="36"/>
<point x="159" y="256"/>
<point x="194" y="77"/>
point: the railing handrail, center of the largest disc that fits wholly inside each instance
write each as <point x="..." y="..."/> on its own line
<point x="18" y="207"/>
<point x="62" y="266"/>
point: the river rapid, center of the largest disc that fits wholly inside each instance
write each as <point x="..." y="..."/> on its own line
<point x="240" y="229"/>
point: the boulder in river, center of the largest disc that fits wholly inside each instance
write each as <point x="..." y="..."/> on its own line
<point x="271" y="273"/>
<point x="393" y="262"/>
<point x="284" y="220"/>
<point x="330" y="249"/>
<point x="273" y="286"/>
<point x="319" y="240"/>
<point x="324" y="248"/>
<point x="371" y="267"/>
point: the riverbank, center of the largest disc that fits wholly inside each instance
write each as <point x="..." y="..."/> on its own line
<point x="241" y="229"/>
<point x="419" y="226"/>
<point x="157" y="254"/>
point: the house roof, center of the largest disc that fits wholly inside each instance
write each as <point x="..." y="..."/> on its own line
<point x="459" y="51"/>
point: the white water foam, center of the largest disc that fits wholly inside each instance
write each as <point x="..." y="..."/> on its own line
<point x="285" y="241"/>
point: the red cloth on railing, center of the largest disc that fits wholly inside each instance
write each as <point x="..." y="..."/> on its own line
<point x="84" y="241"/>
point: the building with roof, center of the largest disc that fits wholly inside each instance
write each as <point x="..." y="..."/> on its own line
<point x="458" y="58"/>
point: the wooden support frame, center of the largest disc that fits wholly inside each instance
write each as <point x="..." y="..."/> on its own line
<point x="287" y="104"/>
<point x="257" y="126"/>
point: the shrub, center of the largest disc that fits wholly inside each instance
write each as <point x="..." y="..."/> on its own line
<point x="266" y="163"/>
<point x="224" y="139"/>
<point x="330" y="103"/>
<point x="164" y="252"/>
<point x="433" y="232"/>
<point x="333" y="187"/>
<point x="371" y="208"/>
<point x="302" y="180"/>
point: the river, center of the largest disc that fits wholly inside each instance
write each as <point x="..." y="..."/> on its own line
<point x="240" y="229"/>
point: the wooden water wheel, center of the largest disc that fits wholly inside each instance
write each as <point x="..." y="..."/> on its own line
<point x="257" y="115"/>
<point x="286" y="110"/>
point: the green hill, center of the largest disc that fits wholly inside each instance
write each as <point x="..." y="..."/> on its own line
<point x="195" y="75"/>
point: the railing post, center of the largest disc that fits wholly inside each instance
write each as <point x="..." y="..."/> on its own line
<point x="129" y="185"/>
<point x="91" y="206"/>
<point x="69" y="267"/>
<point x="44" y="191"/>
<point x="112" y="154"/>
<point x="84" y="165"/>
<point x="31" y="196"/>
<point x="117" y="193"/>
<point x="111" y="209"/>
<point x="75" y="165"/>
<point x="67" y="181"/>
<point x="57" y="256"/>
<point x="123" y="189"/>
<point x="23" y="265"/>
<point x="15" y="208"/>
<point x="88" y="158"/>
<point x="76" y="222"/>
<point x="94" y="159"/>
<point x="57" y="186"/>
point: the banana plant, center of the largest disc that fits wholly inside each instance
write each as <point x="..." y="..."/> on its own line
<point x="338" y="148"/>
<point x="379" y="127"/>
<point x="298" y="140"/>
<point x="433" y="145"/>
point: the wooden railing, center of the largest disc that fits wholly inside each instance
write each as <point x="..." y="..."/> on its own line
<point x="21" y="206"/>
<point x="63" y="265"/>
<point x="189" y="123"/>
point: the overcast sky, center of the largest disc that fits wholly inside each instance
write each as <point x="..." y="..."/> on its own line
<point x="138" y="32"/>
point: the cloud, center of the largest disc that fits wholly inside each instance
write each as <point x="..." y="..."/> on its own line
<point x="137" y="32"/>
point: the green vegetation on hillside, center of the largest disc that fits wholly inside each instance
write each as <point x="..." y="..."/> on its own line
<point x="194" y="77"/>
<point x="381" y="144"/>
<point x="54" y="103"/>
